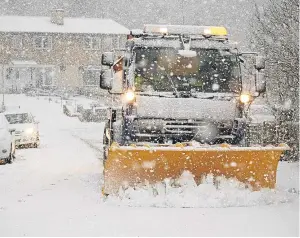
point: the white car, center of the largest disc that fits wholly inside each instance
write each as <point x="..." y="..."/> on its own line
<point x="7" y="141"/>
<point x="26" y="128"/>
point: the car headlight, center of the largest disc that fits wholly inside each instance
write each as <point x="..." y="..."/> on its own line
<point x="29" y="130"/>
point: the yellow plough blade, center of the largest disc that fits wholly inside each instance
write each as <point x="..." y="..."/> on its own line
<point x="130" y="165"/>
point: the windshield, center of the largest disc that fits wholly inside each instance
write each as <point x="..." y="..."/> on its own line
<point x="163" y="69"/>
<point x="20" y="118"/>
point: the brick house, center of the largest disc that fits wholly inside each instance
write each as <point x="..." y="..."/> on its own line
<point x="56" y="51"/>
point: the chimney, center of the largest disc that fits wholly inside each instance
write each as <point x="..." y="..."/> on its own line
<point x="57" y="16"/>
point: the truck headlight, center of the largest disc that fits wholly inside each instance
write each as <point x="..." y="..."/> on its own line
<point x="245" y="98"/>
<point x="130" y="95"/>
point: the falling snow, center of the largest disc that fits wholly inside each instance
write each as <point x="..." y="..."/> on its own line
<point x="113" y="97"/>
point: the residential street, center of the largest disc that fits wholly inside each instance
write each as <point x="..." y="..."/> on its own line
<point x="55" y="190"/>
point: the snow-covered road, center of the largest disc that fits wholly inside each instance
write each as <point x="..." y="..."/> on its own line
<point x="55" y="191"/>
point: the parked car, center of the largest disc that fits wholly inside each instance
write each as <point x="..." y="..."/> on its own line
<point x="26" y="128"/>
<point x="7" y="141"/>
<point x="96" y="112"/>
<point x="70" y="108"/>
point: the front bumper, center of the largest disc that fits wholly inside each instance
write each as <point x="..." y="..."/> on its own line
<point x="26" y="139"/>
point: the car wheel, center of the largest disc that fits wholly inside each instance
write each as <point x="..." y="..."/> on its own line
<point x="118" y="132"/>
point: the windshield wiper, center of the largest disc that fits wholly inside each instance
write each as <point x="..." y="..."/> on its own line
<point x="159" y="94"/>
<point x="173" y="86"/>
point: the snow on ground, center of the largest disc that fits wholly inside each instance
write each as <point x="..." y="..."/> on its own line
<point x="55" y="190"/>
<point x="230" y="193"/>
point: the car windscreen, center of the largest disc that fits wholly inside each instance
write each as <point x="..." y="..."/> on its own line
<point x="19" y="118"/>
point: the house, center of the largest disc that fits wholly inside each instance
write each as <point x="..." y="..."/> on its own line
<point x="56" y="51"/>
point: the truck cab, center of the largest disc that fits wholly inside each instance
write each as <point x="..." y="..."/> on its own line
<point x="178" y="84"/>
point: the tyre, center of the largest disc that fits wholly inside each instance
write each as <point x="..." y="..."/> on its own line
<point x="105" y="142"/>
<point x="117" y="131"/>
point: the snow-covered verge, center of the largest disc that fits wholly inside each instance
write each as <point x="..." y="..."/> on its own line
<point x="55" y="190"/>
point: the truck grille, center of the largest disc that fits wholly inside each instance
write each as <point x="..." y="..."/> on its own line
<point x="184" y="127"/>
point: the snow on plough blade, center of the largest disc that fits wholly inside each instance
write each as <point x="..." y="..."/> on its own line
<point x="132" y="165"/>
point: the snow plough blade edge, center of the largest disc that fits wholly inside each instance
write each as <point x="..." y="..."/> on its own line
<point x="132" y="165"/>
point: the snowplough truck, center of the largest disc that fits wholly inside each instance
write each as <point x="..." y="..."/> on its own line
<point x="182" y="109"/>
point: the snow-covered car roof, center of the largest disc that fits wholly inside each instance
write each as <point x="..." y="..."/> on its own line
<point x="8" y="112"/>
<point x="71" y="25"/>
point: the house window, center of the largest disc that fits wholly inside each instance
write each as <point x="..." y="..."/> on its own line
<point x="107" y="43"/>
<point x="116" y="42"/>
<point x="45" y="77"/>
<point x="91" y="77"/>
<point x="43" y="42"/>
<point x="17" y="42"/>
<point x="92" y="43"/>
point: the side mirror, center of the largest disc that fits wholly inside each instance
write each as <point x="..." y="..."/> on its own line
<point x="108" y="59"/>
<point x="127" y="59"/>
<point x="106" y="79"/>
<point x="260" y="82"/>
<point x="260" y="62"/>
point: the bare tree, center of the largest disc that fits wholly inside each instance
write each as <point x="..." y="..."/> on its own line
<point x="275" y="32"/>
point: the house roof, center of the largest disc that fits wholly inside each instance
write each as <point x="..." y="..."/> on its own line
<point x="71" y="25"/>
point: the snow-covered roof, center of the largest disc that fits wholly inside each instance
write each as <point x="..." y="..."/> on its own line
<point x="71" y="25"/>
<point x="15" y="111"/>
<point x="23" y="62"/>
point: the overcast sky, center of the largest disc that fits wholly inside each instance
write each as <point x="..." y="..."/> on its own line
<point x="234" y="14"/>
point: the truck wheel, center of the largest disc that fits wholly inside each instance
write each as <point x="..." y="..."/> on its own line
<point x="118" y="132"/>
<point x="105" y="142"/>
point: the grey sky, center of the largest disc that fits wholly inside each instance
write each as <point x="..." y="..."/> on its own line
<point x="234" y="14"/>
